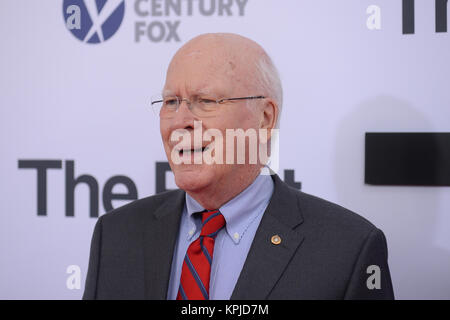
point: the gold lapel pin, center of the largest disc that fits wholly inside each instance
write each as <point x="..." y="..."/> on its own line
<point x="276" y="239"/>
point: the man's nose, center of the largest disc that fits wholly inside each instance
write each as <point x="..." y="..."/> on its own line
<point x="184" y="118"/>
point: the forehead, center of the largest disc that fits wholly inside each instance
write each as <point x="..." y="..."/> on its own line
<point x="206" y="71"/>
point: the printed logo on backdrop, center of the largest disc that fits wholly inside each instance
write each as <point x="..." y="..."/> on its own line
<point x="159" y="20"/>
<point x="93" y="21"/>
<point x="156" y="21"/>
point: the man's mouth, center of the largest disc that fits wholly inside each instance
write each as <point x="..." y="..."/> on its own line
<point x="192" y="150"/>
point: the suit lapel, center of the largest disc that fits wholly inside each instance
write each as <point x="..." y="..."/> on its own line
<point x="160" y="235"/>
<point x="266" y="261"/>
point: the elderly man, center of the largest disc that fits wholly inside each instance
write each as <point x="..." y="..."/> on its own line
<point x="230" y="232"/>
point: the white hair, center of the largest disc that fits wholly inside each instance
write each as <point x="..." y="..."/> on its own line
<point x="268" y="79"/>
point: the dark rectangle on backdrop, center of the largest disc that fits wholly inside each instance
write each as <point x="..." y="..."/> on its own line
<point x="407" y="158"/>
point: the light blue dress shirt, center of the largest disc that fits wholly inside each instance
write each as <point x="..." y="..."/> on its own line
<point x="242" y="214"/>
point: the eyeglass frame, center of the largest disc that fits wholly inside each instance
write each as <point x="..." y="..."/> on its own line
<point x="219" y="101"/>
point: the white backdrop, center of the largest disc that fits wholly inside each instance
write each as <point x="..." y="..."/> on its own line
<point x="64" y="99"/>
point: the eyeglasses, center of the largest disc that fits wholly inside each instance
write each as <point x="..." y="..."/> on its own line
<point x="202" y="107"/>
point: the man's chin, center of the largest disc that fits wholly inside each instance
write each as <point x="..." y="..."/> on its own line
<point x="192" y="177"/>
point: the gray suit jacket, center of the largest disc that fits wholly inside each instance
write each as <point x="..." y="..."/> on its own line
<point x="324" y="253"/>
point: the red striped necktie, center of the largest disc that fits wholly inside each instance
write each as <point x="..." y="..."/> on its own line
<point x="196" y="270"/>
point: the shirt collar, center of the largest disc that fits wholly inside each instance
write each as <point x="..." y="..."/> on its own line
<point x="240" y="211"/>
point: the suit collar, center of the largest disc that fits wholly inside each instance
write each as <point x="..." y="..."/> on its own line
<point x="170" y="201"/>
<point x="266" y="261"/>
<point x="284" y="205"/>
<point x="159" y="239"/>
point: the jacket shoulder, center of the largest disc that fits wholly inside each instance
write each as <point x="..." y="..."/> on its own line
<point x="137" y="210"/>
<point x="332" y="218"/>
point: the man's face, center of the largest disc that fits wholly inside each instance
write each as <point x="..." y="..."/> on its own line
<point x="207" y="73"/>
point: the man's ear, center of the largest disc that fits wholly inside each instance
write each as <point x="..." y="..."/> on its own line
<point x="269" y="116"/>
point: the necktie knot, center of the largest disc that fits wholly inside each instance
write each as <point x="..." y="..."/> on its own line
<point x="212" y="222"/>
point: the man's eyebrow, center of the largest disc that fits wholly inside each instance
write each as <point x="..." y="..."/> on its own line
<point x="199" y="92"/>
<point x="166" y="93"/>
<point x="204" y="92"/>
<point x="211" y="92"/>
